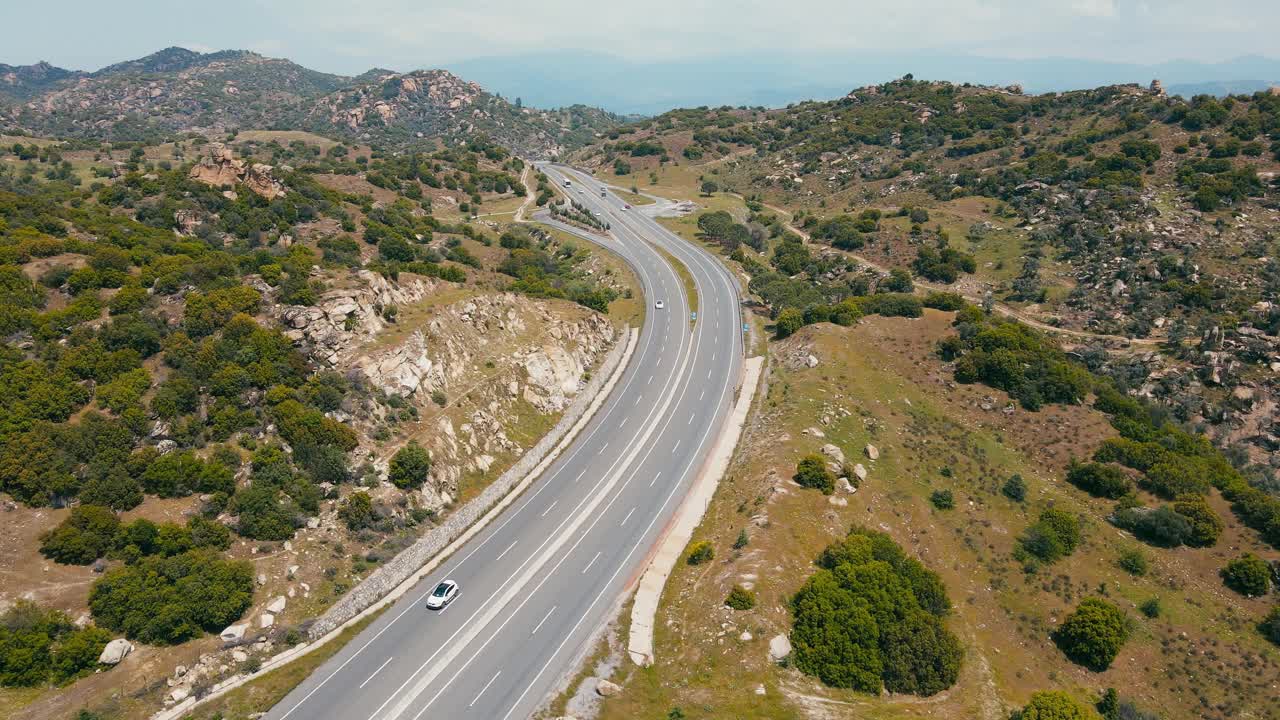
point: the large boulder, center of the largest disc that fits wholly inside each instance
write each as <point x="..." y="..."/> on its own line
<point x="234" y="632"/>
<point x="604" y="688"/>
<point x="779" y="648"/>
<point x="115" y="651"/>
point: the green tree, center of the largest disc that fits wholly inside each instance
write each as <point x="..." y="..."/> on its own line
<point x="87" y="534"/>
<point x="812" y="472"/>
<point x="1206" y="526"/>
<point x="1093" y="634"/>
<point x="942" y="499"/>
<point x="167" y="600"/>
<point x="1100" y="480"/>
<point x="1054" y="705"/>
<point x="788" y="322"/>
<point x="1248" y="575"/>
<point x="409" y="466"/>
<point x="357" y="511"/>
<point x="709" y="187"/>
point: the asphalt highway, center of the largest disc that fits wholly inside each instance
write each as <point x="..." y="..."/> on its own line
<point x="539" y="579"/>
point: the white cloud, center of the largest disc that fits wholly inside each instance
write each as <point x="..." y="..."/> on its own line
<point x="1094" y="8"/>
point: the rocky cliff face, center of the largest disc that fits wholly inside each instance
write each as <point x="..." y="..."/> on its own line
<point x="221" y="168"/>
<point x="489" y="355"/>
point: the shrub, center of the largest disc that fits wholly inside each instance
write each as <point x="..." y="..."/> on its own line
<point x="357" y="511"/>
<point x="1270" y="625"/>
<point x="700" y="552"/>
<point x="39" y="646"/>
<point x="1053" y="536"/>
<point x="1248" y="575"/>
<point x="812" y="472"/>
<point x="740" y="598"/>
<point x="1099" y="480"/>
<point x="943" y="499"/>
<point x="167" y="600"/>
<point x="87" y="534"/>
<point x="1205" y="524"/>
<point x="263" y="513"/>
<point x="788" y="322"/>
<point x="870" y="617"/>
<point x="1150" y="607"/>
<point x="742" y="541"/>
<point x="1177" y="475"/>
<point x="1015" y="488"/>
<point x="1093" y="635"/>
<point x="1054" y="705"/>
<point x="1133" y="561"/>
<point x="1162" y="527"/>
<point x="409" y="466"/>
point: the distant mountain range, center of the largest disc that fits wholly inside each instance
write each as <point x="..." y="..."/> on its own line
<point x="178" y="90"/>
<point x="772" y="80"/>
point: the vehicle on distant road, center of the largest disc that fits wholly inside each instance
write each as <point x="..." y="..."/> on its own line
<point x="626" y="207"/>
<point x="659" y="305"/>
<point x="604" y="193"/>
<point x="568" y="183"/>
<point x="444" y="594"/>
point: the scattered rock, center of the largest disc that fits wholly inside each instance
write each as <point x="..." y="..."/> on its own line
<point x="276" y="606"/>
<point x="837" y="500"/>
<point x="860" y="472"/>
<point x="759" y="689"/>
<point x="833" y="452"/>
<point x="745" y="636"/>
<point x="178" y="694"/>
<point x="815" y="432"/>
<point x="811" y="361"/>
<point x="872" y="452"/>
<point x="233" y="632"/>
<point x="262" y="578"/>
<point x="266" y="620"/>
<point x="239" y="656"/>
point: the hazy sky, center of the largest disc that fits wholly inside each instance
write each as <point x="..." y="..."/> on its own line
<point x="349" y="36"/>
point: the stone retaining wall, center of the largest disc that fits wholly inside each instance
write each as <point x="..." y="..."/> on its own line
<point x="411" y="559"/>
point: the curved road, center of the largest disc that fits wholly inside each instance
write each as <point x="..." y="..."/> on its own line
<point x="545" y="574"/>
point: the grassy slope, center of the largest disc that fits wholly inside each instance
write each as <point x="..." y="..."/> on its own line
<point x="899" y="397"/>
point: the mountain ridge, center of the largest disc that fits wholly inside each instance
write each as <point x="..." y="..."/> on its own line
<point x="177" y="90"/>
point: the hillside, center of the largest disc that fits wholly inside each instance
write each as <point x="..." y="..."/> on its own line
<point x="265" y="367"/>
<point x="177" y="90"/>
<point x="1034" y="340"/>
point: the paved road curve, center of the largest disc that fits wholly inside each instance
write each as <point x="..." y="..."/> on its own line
<point x="540" y="578"/>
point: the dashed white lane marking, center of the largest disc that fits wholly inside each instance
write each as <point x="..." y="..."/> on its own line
<point x="639" y="399"/>
<point x="702" y="394"/>
<point x="593" y="562"/>
<point x="375" y="672"/>
<point x="690" y="419"/>
<point x="651" y="482"/>
<point x="504" y="552"/>
<point x="544" y="619"/>
<point x="553" y="504"/>
<point x="628" y="517"/>
<point x="584" y="472"/>
<point x="646" y="382"/>
<point x="603" y="448"/>
<point x="486" y="687"/>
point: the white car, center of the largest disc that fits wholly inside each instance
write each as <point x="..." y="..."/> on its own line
<point x="659" y="305"/>
<point x="444" y="594"/>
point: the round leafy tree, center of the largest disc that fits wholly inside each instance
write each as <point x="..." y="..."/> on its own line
<point x="1248" y="575"/>
<point x="409" y="466"/>
<point x="1054" y="705"/>
<point x="1093" y="635"/>
<point x="812" y="472"/>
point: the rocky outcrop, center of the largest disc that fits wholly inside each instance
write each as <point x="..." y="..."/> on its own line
<point x="347" y="316"/>
<point x="220" y="167"/>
